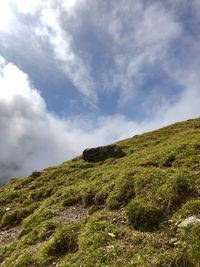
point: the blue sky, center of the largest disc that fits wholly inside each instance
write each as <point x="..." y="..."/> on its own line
<point x="81" y="73"/>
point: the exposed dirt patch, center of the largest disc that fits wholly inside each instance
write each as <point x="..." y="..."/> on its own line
<point x="7" y="236"/>
<point x="72" y="214"/>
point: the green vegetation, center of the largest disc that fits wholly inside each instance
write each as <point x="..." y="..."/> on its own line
<point x="65" y="240"/>
<point x="144" y="216"/>
<point x="121" y="211"/>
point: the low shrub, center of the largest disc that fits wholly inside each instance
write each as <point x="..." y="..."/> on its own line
<point x="24" y="260"/>
<point x="2" y="212"/>
<point x="100" y="198"/>
<point x="181" y="261"/>
<point x="70" y="201"/>
<point x="88" y="197"/>
<point x="65" y="240"/>
<point x="190" y="243"/>
<point x="35" y="219"/>
<point x="8" y="197"/>
<point x="94" y="234"/>
<point x="46" y="230"/>
<point x="177" y="189"/>
<point x="40" y="194"/>
<point x="71" y="197"/>
<point x="143" y="215"/>
<point x="122" y="193"/>
<point x="191" y="207"/>
<point x="14" y="217"/>
<point x="181" y="184"/>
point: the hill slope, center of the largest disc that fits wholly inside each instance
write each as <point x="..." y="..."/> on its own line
<point x="121" y="211"/>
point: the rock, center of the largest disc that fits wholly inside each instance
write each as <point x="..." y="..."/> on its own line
<point x="173" y="240"/>
<point x="192" y="220"/>
<point x="102" y="153"/>
<point x="111" y="235"/>
<point x="110" y="247"/>
<point x="35" y="174"/>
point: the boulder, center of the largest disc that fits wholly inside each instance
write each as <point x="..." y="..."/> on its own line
<point x="35" y="174"/>
<point x="102" y="153"/>
<point x="192" y="220"/>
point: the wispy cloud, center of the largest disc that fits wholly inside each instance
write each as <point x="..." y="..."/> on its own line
<point x="135" y="33"/>
<point x="50" y="27"/>
<point x="142" y="35"/>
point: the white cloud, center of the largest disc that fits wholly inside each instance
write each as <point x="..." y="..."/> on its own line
<point x="189" y="103"/>
<point x="28" y="132"/>
<point x="71" y="4"/>
<point x="44" y="29"/>
<point x="74" y="67"/>
<point x="142" y="35"/>
<point x="14" y="82"/>
<point x="31" y="6"/>
<point x="32" y="138"/>
<point x="6" y="15"/>
<point x="139" y="35"/>
<point x="2" y="61"/>
<point x="156" y="27"/>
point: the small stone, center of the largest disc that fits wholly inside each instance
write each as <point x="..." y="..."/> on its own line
<point x="7" y="209"/>
<point x="173" y="240"/>
<point x="111" y="235"/>
<point x="110" y="247"/>
<point x="177" y="243"/>
<point x="192" y="220"/>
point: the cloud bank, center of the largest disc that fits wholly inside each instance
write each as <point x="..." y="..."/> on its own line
<point x="123" y="53"/>
<point x="32" y="138"/>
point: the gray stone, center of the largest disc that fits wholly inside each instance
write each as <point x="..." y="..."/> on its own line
<point x="192" y="220"/>
<point x="102" y="153"/>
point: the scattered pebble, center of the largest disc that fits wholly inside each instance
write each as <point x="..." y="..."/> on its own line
<point x="173" y="240"/>
<point x="111" y="235"/>
<point x="110" y="247"/>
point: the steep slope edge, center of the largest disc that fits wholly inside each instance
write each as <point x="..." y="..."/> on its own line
<point x="122" y="211"/>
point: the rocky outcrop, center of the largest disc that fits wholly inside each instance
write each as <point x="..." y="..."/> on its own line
<point x="102" y="153"/>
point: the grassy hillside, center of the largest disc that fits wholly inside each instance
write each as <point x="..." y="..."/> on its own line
<point x="117" y="212"/>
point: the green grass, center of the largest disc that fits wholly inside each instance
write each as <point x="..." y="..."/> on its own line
<point x="134" y="205"/>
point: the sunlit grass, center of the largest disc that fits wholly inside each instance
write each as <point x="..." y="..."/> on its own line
<point x="134" y="205"/>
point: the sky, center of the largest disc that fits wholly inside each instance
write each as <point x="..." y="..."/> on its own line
<point x="84" y="73"/>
